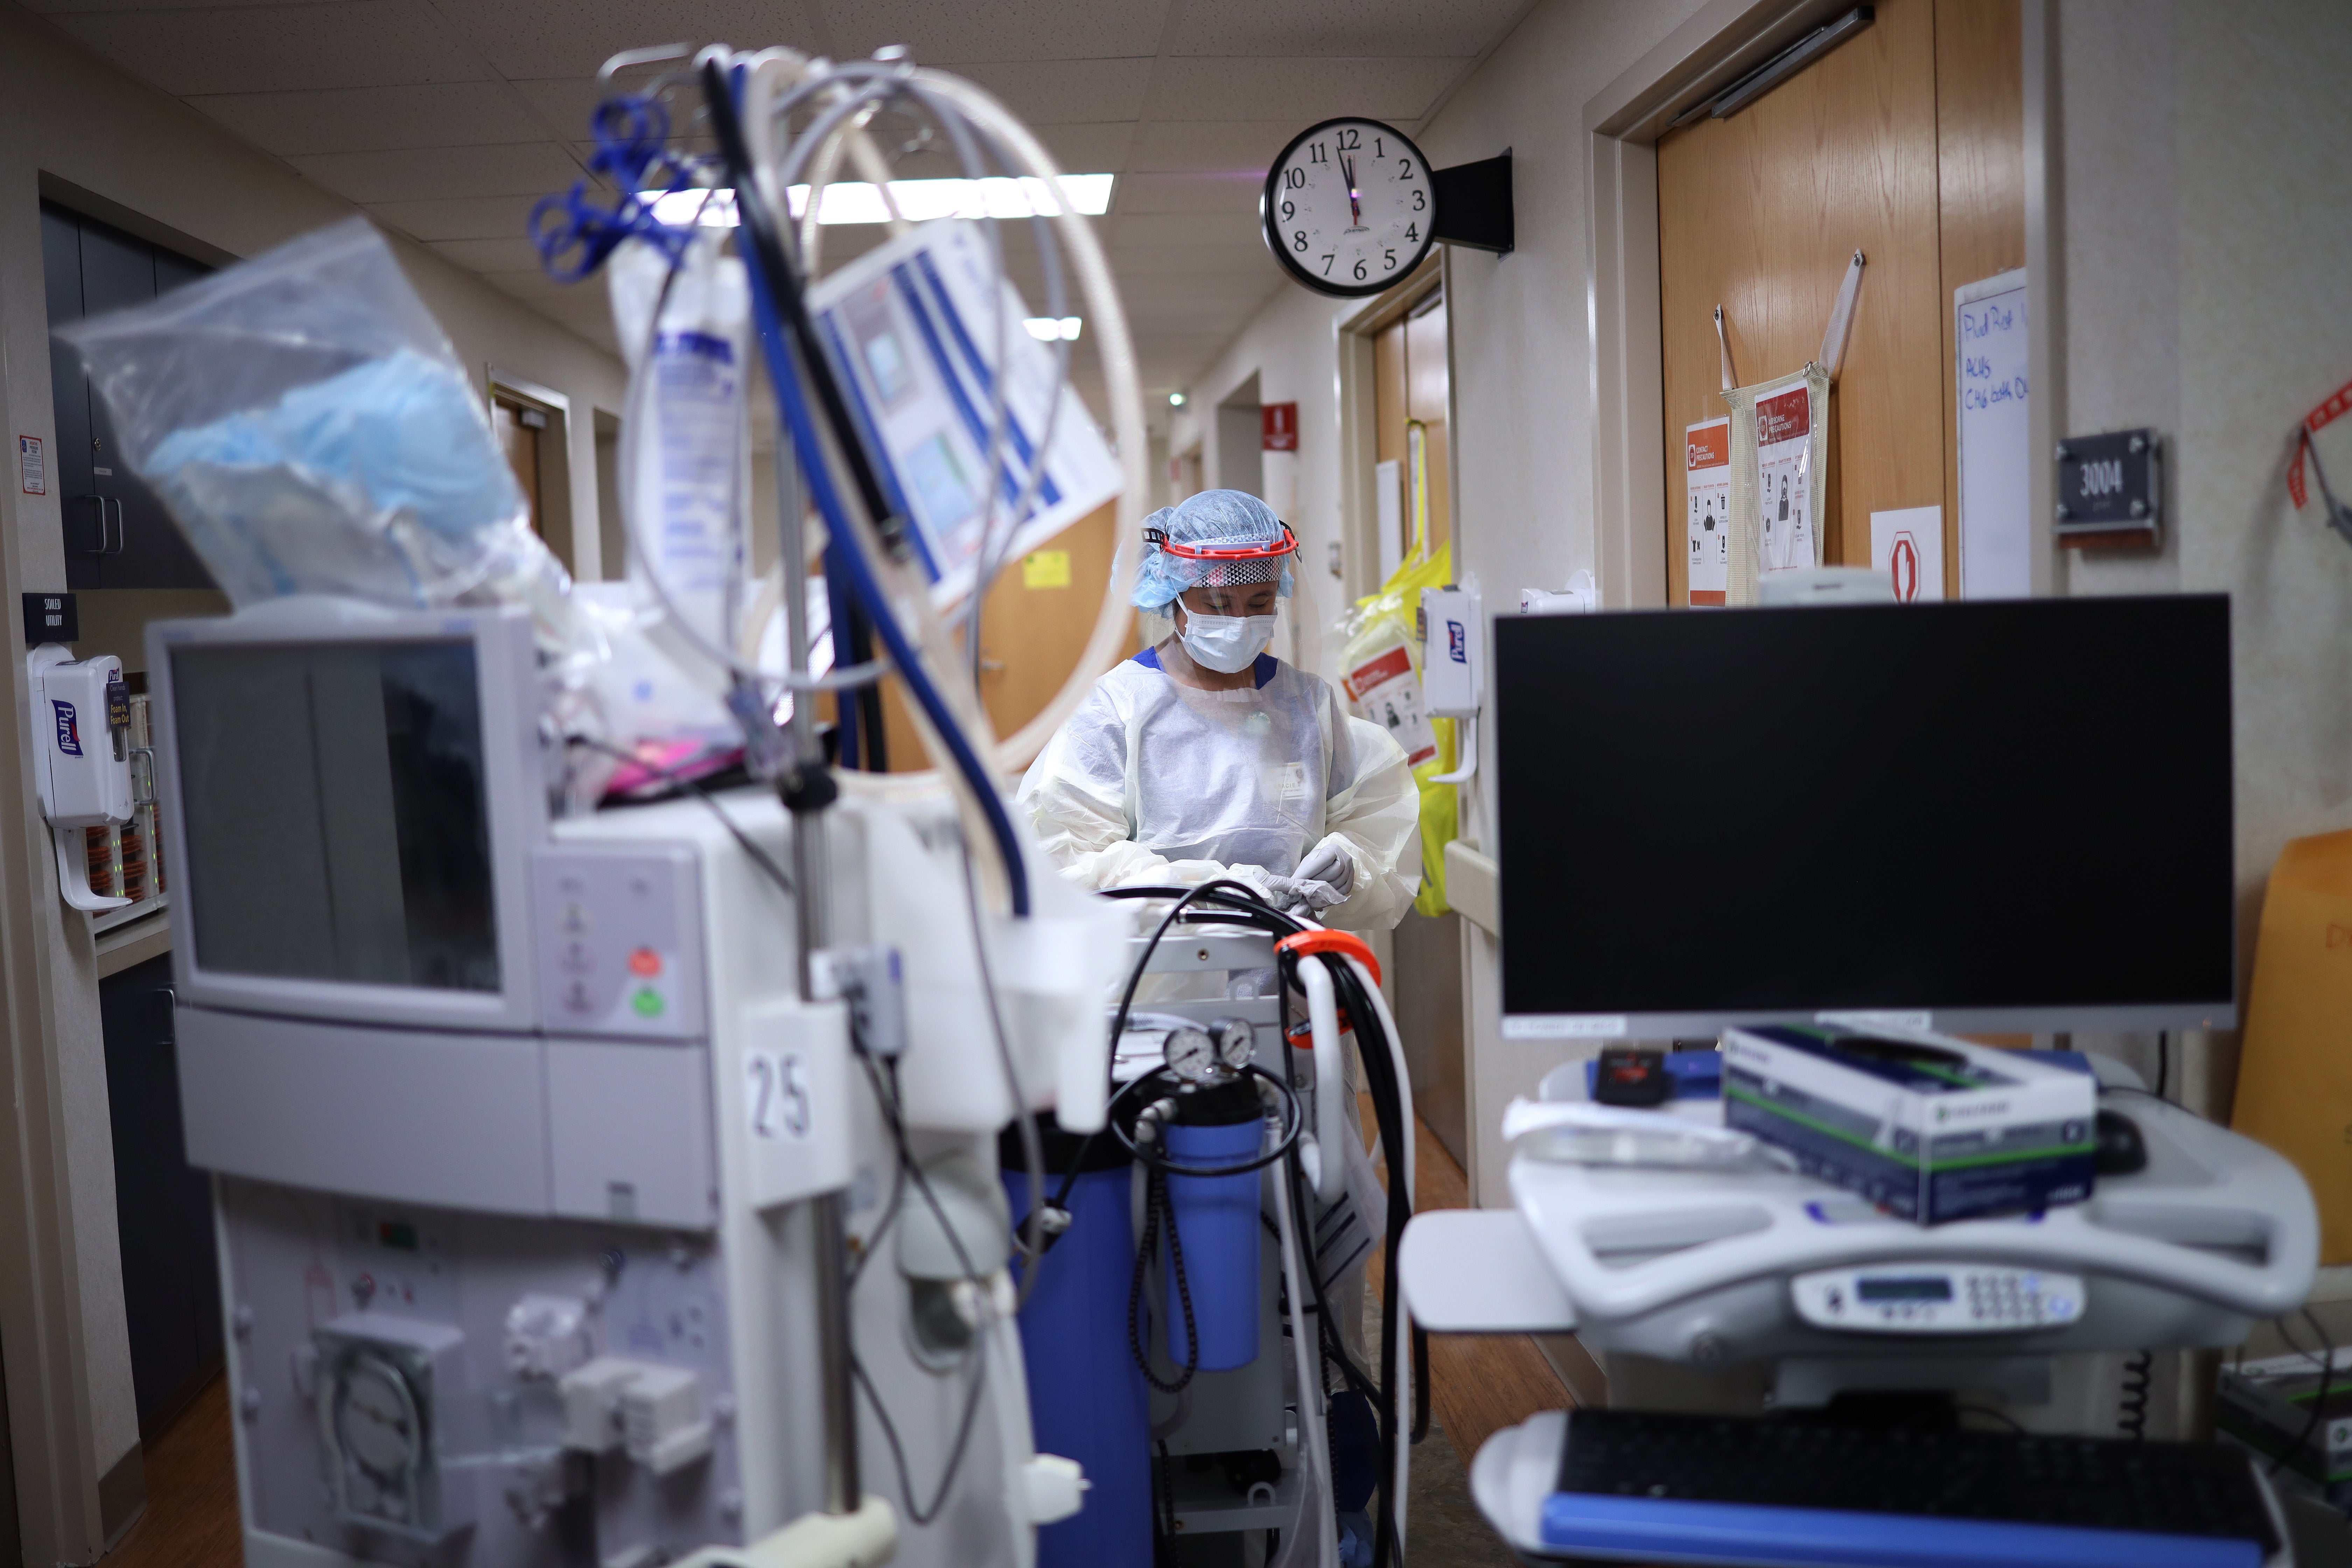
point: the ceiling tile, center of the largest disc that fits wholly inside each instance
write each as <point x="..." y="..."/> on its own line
<point x="941" y="34"/>
<point x="1210" y="291"/>
<point x="495" y="258"/>
<point x="376" y="118"/>
<point x="1310" y="89"/>
<point x="269" y="48"/>
<point x="540" y="38"/>
<point x="1232" y="146"/>
<point x="1456" y="27"/>
<point x="1225" y="193"/>
<point x="527" y="169"/>
<point x="1154" y="260"/>
<point x="1065" y="93"/>
<point x="86" y="7"/>
<point x="1185" y="229"/>
<point x="564" y="102"/>
<point x="1088" y="149"/>
<point x="478" y="217"/>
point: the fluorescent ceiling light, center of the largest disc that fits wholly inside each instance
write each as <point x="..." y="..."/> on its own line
<point x="1045" y="329"/>
<point x="855" y="200"/>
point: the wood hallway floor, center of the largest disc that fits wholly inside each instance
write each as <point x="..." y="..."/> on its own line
<point x="191" y="1517"/>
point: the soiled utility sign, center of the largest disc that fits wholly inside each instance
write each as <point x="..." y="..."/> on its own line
<point x="1045" y="569"/>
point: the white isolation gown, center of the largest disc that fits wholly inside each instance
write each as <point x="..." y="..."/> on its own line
<point x="1152" y="782"/>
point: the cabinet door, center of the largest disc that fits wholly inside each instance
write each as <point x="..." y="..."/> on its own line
<point x="150" y="550"/>
<point x="69" y="476"/>
<point x="171" y="1281"/>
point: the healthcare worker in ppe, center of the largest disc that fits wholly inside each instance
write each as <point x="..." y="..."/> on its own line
<point x="1207" y="756"/>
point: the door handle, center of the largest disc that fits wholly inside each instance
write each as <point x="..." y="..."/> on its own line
<point x="121" y="526"/>
<point x="100" y="548"/>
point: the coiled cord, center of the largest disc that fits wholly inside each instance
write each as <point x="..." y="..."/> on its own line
<point x="2131" y="1417"/>
<point x="1155" y="1203"/>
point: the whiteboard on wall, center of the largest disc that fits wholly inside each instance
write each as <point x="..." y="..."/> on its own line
<point x="1996" y="493"/>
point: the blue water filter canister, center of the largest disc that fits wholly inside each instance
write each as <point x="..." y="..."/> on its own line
<point x="1086" y="1397"/>
<point x="1216" y="1223"/>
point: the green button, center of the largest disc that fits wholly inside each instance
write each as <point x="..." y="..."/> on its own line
<point x="648" y="1002"/>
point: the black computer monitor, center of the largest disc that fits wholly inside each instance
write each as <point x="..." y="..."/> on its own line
<point x="1992" y="817"/>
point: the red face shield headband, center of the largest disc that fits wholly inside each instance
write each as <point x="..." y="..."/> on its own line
<point x="1231" y="564"/>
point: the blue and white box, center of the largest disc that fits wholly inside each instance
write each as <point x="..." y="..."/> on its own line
<point x="1928" y="1127"/>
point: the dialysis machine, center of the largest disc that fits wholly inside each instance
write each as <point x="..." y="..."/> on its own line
<point x="529" y="1150"/>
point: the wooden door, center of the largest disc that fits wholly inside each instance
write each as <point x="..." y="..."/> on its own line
<point x="1905" y="142"/>
<point x="1033" y="629"/>
<point x="1409" y="398"/>
<point x="519" y="429"/>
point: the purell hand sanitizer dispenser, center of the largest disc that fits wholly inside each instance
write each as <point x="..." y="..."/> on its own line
<point x="81" y="722"/>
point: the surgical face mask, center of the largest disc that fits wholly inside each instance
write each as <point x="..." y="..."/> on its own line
<point x="1227" y="644"/>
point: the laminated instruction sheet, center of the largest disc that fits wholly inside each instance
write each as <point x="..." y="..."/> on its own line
<point x="1707" y="463"/>
<point x="1784" y="475"/>
<point x="1779" y="461"/>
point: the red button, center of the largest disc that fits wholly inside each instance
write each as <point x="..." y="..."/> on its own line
<point x="645" y="962"/>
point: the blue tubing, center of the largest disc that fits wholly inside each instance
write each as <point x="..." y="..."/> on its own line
<point x="1217" y="1223"/>
<point x="1086" y="1398"/>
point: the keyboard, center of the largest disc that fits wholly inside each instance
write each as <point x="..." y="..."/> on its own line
<point x="1706" y="1489"/>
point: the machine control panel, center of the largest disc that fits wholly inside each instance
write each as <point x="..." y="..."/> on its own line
<point x="619" y="940"/>
<point x="1937" y="1298"/>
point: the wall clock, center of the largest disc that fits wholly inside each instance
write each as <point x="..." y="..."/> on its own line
<point x="1349" y="207"/>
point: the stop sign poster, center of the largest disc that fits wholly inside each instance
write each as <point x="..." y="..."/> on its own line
<point x="1907" y="549"/>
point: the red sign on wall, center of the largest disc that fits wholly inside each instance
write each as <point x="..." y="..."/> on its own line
<point x="1277" y="424"/>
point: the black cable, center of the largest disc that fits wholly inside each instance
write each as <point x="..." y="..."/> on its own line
<point x="909" y="1170"/>
<point x="2163" y="1064"/>
<point x="1379" y="1071"/>
<point x="915" y="1512"/>
<point x="1185" y="897"/>
<point x="1420" y="1383"/>
<point x="1155" y="1202"/>
<point x="2319" y="1397"/>
<point x="760" y="856"/>
<point x="2131" y="1410"/>
<point x="1294" y="1123"/>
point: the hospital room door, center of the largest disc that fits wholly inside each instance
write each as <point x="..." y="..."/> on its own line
<point x="1906" y="142"/>
<point x="1410" y="387"/>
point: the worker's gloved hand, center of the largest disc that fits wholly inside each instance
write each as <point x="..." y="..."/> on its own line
<point x="1328" y="862"/>
<point x="1304" y="898"/>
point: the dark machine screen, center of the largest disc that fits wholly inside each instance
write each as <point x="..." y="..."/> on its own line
<point x="2001" y="805"/>
<point x="337" y="826"/>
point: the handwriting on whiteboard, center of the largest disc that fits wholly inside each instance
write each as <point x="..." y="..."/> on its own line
<point x="1989" y="321"/>
<point x="1982" y="384"/>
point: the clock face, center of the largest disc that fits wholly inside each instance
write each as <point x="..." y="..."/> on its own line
<point x="1347" y="206"/>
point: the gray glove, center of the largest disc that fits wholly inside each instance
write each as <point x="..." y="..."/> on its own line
<point x="1329" y="862"/>
<point x="1304" y="898"/>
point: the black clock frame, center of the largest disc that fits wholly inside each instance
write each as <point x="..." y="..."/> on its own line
<point x="1273" y="236"/>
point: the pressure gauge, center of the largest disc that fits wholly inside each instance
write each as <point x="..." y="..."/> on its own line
<point x="1347" y="206"/>
<point x="1192" y="1055"/>
<point x="1237" y="1042"/>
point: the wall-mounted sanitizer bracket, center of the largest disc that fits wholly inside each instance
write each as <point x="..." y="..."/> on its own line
<point x="81" y="733"/>
<point x="1453" y="667"/>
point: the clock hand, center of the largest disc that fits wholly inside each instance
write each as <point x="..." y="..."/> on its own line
<point x="1355" y="208"/>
